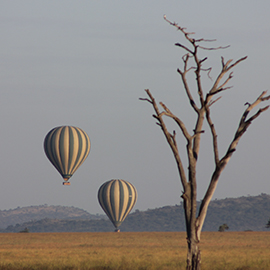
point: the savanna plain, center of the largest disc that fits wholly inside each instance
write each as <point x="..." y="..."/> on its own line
<point x="132" y="250"/>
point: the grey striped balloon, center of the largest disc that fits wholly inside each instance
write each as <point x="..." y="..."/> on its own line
<point x="67" y="148"/>
<point x="117" y="197"/>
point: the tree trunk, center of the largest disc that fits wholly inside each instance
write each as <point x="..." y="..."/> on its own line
<point x="193" y="256"/>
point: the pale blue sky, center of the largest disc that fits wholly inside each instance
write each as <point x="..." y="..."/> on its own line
<point x="87" y="63"/>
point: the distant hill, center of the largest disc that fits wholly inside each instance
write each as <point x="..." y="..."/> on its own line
<point x="240" y="214"/>
<point x="25" y="214"/>
<point x="243" y="213"/>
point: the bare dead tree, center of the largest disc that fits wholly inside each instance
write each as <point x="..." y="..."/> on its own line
<point x="194" y="223"/>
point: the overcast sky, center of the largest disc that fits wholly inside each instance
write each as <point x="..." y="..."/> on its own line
<point x="87" y="63"/>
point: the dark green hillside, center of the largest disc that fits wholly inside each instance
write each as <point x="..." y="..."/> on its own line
<point x="167" y="218"/>
<point x="244" y="213"/>
<point x="62" y="225"/>
<point x="23" y="214"/>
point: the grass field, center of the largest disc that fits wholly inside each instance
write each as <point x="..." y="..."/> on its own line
<point x="132" y="251"/>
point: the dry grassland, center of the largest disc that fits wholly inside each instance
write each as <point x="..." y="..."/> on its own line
<point x="132" y="251"/>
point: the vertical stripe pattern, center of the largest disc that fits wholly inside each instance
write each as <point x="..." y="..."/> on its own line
<point x="67" y="148"/>
<point x="117" y="198"/>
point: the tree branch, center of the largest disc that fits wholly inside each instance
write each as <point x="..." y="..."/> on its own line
<point x="181" y="125"/>
<point x="214" y="135"/>
<point x="225" y="68"/>
<point x="170" y="139"/>
<point x="184" y="80"/>
<point x="184" y="47"/>
<point x="216" y="48"/>
<point x="146" y="99"/>
<point x="221" y="164"/>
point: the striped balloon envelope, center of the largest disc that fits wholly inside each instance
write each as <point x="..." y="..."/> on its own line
<point x="117" y="198"/>
<point x="67" y="148"/>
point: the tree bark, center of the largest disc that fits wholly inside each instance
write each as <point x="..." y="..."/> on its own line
<point x="193" y="256"/>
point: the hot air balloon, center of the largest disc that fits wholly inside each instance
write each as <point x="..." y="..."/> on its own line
<point x="117" y="198"/>
<point x="67" y="148"/>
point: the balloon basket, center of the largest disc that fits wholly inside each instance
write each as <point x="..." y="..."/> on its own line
<point x="117" y="230"/>
<point x="66" y="184"/>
